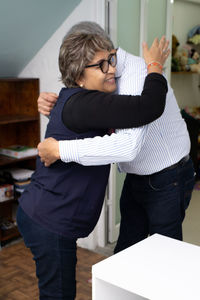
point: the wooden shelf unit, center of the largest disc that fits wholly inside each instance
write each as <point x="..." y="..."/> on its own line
<point x="184" y="72"/>
<point x="19" y="125"/>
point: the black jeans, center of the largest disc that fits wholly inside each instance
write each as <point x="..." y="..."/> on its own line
<point x="55" y="259"/>
<point x="155" y="204"/>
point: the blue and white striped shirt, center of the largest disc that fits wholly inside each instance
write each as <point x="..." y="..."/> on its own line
<point x="143" y="150"/>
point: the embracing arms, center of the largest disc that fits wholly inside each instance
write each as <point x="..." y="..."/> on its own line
<point x="121" y="107"/>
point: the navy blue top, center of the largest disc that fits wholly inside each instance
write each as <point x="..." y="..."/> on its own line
<point x="66" y="198"/>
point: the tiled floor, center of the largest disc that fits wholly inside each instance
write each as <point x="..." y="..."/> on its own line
<point x="17" y="273"/>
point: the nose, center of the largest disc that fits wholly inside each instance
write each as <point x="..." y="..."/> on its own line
<point x="111" y="69"/>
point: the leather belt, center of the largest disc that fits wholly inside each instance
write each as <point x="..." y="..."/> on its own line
<point x="179" y="163"/>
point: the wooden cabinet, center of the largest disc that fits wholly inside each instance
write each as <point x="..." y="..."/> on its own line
<point x="19" y="125"/>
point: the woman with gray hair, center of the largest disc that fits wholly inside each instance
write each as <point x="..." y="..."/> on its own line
<point x="63" y="202"/>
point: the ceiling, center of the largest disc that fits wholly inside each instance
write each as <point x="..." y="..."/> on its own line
<point x="25" y="26"/>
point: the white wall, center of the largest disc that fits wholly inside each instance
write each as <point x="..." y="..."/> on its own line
<point x="45" y="63"/>
<point x="45" y="66"/>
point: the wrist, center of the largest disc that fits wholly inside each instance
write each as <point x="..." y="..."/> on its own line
<point x="57" y="152"/>
<point x="154" y="66"/>
<point x="154" y="69"/>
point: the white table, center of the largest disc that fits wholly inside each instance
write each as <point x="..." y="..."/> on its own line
<point x="157" y="268"/>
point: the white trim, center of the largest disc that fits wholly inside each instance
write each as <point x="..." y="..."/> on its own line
<point x="111" y="19"/>
<point x="169" y="19"/>
<point x="99" y="14"/>
<point x="102" y="227"/>
<point x="113" y="228"/>
<point x="143" y="23"/>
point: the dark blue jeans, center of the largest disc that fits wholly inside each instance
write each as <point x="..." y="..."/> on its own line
<point x="155" y="204"/>
<point x="55" y="259"/>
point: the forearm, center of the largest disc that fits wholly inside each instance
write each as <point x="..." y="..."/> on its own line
<point x="118" y="147"/>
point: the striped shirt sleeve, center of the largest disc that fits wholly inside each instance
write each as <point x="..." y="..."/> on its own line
<point x="121" y="146"/>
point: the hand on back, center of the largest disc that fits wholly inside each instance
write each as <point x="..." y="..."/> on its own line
<point x="46" y="102"/>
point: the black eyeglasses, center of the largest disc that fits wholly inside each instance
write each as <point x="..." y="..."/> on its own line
<point x="104" y="64"/>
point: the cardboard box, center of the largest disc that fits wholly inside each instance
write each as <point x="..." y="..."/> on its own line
<point x="6" y="192"/>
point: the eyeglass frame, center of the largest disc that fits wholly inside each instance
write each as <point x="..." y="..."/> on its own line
<point x="102" y="62"/>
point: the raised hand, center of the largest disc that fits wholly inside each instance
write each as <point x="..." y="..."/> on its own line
<point x="156" y="55"/>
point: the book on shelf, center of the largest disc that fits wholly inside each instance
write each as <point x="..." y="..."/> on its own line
<point x="20" y="186"/>
<point x="18" y="151"/>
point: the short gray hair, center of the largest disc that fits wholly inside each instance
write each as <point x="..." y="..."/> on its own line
<point x="88" y="27"/>
<point x="77" y="51"/>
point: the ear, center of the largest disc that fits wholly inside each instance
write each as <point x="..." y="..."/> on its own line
<point x="80" y="81"/>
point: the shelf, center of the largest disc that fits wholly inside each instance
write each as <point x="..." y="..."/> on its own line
<point x="9" y="233"/>
<point x="185" y="72"/>
<point x="10" y="119"/>
<point x="19" y="125"/>
<point x="6" y="160"/>
<point x="18" y="79"/>
<point x="8" y="201"/>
